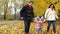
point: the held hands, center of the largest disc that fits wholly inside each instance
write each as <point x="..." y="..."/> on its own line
<point x="44" y="20"/>
<point x="33" y="20"/>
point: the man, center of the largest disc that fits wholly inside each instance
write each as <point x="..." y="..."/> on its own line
<point x="27" y="15"/>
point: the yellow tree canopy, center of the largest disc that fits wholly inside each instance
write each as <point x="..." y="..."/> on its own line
<point x="40" y="6"/>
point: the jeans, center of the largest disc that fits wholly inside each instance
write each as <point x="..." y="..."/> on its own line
<point x="54" y="25"/>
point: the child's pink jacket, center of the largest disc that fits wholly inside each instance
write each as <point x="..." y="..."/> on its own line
<point x="39" y="24"/>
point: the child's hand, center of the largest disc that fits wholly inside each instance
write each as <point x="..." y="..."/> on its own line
<point x="44" y="21"/>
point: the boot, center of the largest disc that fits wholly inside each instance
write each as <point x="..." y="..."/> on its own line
<point x="26" y="33"/>
<point x="54" y="33"/>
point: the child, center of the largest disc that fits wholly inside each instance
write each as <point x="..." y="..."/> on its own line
<point x="39" y="24"/>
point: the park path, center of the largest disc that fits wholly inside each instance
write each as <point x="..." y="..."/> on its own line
<point x="17" y="27"/>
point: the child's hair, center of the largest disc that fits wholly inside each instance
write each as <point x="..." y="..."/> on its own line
<point x="40" y="16"/>
<point x="37" y="17"/>
<point x="31" y="2"/>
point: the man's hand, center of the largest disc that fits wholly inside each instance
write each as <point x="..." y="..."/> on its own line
<point x="33" y="20"/>
<point x="21" y="17"/>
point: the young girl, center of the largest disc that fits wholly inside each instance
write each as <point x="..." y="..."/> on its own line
<point x="39" y="24"/>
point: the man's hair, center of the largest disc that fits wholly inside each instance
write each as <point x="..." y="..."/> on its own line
<point x="31" y="2"/>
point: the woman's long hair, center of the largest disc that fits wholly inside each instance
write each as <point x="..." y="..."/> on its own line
<point x="53" y="6"/>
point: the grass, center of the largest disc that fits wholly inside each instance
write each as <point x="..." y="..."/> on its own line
<point x="17" y="27"/>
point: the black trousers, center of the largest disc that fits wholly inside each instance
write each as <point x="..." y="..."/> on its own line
<point x="27" y="25"/>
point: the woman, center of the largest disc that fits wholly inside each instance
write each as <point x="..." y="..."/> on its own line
<point x="51" y="16"/>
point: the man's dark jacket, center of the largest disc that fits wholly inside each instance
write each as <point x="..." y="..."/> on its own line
<point x="27" y="13"/>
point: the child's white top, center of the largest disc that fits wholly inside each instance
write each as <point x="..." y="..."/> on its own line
<point x="50" y="15"/>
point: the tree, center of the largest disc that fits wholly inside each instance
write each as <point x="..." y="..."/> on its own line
<point x="59" y="8"/>
<point x="4" y="4"/>
<point x="5" y="8"/>
<point x="17" y="5"/>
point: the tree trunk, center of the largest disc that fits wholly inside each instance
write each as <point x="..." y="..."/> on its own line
<point x="15" y="14"/>
<point x="5" y="9"/>
<point x="4" y="15"/>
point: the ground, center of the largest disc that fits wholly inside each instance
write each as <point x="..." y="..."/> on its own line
<point x="17" y="27"/>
